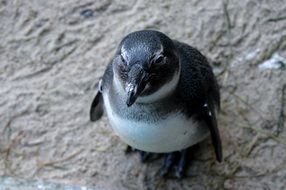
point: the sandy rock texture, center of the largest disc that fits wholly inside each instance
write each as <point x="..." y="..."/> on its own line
<point x="52" y="53"/>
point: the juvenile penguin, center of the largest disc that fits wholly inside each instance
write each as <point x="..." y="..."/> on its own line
<point x="160" y="96"/>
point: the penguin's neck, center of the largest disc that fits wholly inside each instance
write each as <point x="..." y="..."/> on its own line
<point x="164" y="91"/>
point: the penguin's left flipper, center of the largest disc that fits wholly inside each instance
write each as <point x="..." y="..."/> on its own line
<point x="96" y="109"/>
<point x="210" y="118"/>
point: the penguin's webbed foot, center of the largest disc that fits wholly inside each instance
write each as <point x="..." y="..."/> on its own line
<point x="144" y="156"/>
<point x="176" y="160"/>
<point x="129" y="149"/>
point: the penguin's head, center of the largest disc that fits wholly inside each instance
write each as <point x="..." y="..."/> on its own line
<point x="146" y="66"/>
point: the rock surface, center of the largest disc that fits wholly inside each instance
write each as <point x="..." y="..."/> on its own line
<point x="52" y="53"/>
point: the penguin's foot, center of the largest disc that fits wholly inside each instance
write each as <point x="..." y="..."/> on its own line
<point x="176" y="160"/>
<point x="144" y="156"/>
<point x="129" y="149"/>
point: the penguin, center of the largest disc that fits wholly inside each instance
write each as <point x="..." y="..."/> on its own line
<point x="161" y="97"/>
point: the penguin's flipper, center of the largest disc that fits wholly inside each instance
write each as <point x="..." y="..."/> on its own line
<point x="210" y="118"/>
<point x="96" y="109"/>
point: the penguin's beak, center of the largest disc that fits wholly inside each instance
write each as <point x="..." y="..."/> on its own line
<point x="136" y="82"/>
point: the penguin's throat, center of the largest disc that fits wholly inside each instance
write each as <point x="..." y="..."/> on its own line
<point x="162" y="92"/>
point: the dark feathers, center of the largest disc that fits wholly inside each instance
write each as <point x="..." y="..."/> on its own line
<point x="96" y="109"/>
<point x="199" y="90"/>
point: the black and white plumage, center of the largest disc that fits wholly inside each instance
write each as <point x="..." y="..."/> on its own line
<point x="160" y="95"/>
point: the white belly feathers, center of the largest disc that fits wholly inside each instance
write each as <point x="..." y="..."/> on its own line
<point x="166" y="135"/>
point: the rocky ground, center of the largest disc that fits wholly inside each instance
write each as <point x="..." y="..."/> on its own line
<point x="52" y="53"/>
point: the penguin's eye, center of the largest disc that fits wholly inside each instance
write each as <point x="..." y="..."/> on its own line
<point x="159" y="59"/>
<point x="156" y="63"/>
<point x="123" y="60"/>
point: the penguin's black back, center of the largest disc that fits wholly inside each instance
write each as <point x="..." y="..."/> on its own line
<point x="197" y="82"/>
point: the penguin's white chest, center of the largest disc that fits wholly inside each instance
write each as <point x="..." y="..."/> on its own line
<point x="173" y="133"/>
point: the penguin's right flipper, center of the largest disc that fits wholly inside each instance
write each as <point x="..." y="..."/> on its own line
<point x="96" y="109"/>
